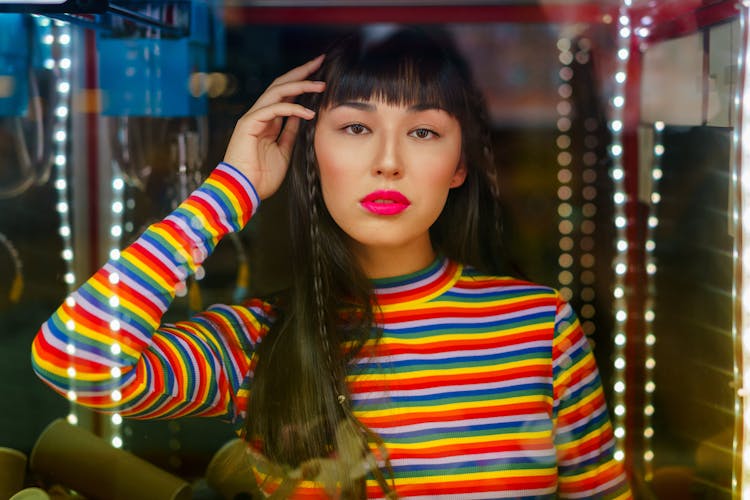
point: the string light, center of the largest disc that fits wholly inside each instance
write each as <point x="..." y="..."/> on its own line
<point x="648" y="311"/>
<point x="588" y="211"/>
<point x="617" y="174"/>
<point x="57" y="35"/>
<point x="564" y="173"/>
<point x="741" y="328"/>
<point x="115" y="241"/>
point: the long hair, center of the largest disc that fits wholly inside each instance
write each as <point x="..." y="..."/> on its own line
<point x="299" y="396"/>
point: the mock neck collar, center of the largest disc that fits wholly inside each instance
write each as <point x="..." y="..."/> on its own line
<point x="421" y="285"/>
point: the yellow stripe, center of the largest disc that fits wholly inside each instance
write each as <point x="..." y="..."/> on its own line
<point x="494" y="334"/>
<point x="233" y="199"/>
<point x="248" y="317"/>
<point x="105" y="339"/>
<point x="135" y="262"/>
<point x="454" y="441"/>
<point x="447" y="372"/>
<point x="176" y="246"/>
<point x="589" y="473"/>
<point x="127" y="305"/>
<point x="507" y="301"/>
<point x="566" y="333"/>
<point x="568" y="371"/>
<point x="473" y="476"/>
<point x="464" y="405"/>
<point x="409" y="305"/>
<point x="204" y="222"/>
<point x="80" y="376"/>
<point x="181" y="385"/>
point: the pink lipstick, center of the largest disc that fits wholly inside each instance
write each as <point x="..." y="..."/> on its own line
<point x="385" y="202"/>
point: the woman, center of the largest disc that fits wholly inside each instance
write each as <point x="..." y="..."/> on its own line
<point x="399" y="356"/>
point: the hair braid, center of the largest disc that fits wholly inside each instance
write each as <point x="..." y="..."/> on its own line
<point x="319" y="279"/>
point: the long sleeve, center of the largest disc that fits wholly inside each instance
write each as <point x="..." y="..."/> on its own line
<point x="104" y="346"/>
<point x="584" y="438"/>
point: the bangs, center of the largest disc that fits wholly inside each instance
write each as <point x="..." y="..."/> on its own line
<point x="402" y="70"/>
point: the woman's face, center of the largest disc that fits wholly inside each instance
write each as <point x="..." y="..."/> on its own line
<point x="385" y="173"/>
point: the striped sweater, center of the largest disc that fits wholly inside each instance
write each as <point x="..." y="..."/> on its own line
<point x="481" y="387"/>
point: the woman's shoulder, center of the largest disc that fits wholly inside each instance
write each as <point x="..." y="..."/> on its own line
<point x="475" y="279"/>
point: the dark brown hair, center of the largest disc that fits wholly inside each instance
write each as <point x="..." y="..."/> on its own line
<point x="299" y="394"/>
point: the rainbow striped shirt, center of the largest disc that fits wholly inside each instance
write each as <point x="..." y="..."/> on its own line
<point x="481" y="387"/>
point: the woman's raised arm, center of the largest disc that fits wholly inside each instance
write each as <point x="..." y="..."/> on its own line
<point x="105" y="346"/>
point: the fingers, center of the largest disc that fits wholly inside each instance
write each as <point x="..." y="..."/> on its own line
<point x="260" y="117"/>
<point x="287" y="91"/>
<point x="286" y="139"/>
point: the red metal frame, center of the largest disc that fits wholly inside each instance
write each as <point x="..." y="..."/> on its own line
<point x="674" y="19"/>
<point x="592" y="12"/>
<point x="668" y="20"/>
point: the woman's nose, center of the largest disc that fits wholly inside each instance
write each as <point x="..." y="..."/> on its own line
<point x="388" y="161"/>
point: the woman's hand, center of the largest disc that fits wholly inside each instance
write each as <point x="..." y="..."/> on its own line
<point x="259" y="147"/>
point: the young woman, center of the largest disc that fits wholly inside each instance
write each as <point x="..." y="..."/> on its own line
<point x="399" y="364"/>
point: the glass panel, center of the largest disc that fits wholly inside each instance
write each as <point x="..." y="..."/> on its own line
<point x="688" y="90"/>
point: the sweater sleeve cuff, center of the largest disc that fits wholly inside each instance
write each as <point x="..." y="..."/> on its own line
<point x="240" y="198"/>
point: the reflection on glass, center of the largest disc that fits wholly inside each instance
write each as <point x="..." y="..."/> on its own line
<point x="693" y="401"/>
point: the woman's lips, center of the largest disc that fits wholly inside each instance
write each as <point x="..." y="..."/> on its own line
<point x="385" y="202"/>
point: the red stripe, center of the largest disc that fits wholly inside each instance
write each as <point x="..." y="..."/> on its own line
<point x="236" y="189"/>
<point x="477" y="485"/>
<point x="127" y="293"/>
<point x="501" y="410"/>
<point x="502" y="339"/>
<point x="469" y="379"/>
<point x="149" y="260"/>
<point x="199" y="205"/>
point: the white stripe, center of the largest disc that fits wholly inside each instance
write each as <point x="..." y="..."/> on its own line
<point x="161" y="302"/>
<point x="565" y="313"/>
<point x="81" y="353"/>
<point x="189" y="231"/>
<point x="500" y="288"/>
<point x="242" y="180"/>
<point x="170" y="261"/>
<point x="564" y="357"/>
<point x="470" y="320"/>
<point x="489" y="495"/>
<point x="126" y="328"/>
<point x="221" y="215"/>
<point x="448" y="389"/>
<point x="582" y="421"/>
<point x="462" y="459"/>
<point x="595" y="491"/>
<point x="387" y="290"/>
<point x="464" y="353"/>
<point x="401" y="429"/>
<point x="602" y="451"/>
<point x="237" y="373"/>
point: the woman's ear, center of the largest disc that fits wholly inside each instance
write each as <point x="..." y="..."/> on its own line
<point x="459" y="176"/>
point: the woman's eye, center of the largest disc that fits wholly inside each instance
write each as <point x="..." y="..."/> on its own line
<point x="356" y="129"/>
<point x="424" y="133"/>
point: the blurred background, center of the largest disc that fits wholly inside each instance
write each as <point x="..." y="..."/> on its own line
<point x="618" y="131"/>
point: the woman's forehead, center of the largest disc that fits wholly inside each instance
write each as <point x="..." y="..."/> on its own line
<point x="376" y="103"/>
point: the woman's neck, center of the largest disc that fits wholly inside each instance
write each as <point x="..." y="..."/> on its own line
<point x="386" y="262"/>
